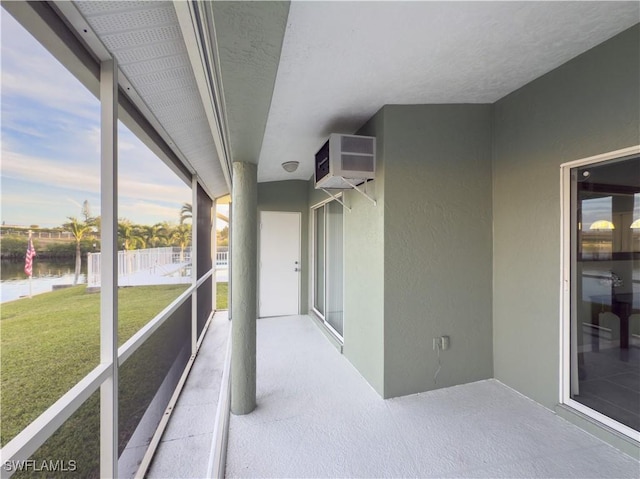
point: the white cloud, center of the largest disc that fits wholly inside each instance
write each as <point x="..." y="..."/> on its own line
<point x="39" y="170"/>
<point x="29" y="71"/>
<point x="31" y="209"/>
<point x="152" y="212"/>
<point x="51" y="140"/>
<point x="87" y="178"/>
<point x="74" y="202"/>
<point x="139" y="189"/>
<point x="126" y="146"/>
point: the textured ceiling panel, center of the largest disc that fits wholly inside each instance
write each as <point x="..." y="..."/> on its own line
<point x="146" y="39"/>
<point x="168" y="86"/>
<point x="142" y="54"/>
<point x="97" y="7"/>
<point x="175" y="105"/>
<point x="342" y="61"/>
<point x="144" y="18"/>
<point x="167" y="75"/>
<point x="196" y="128"/>
<point x="127" y="40"/>
<point x="158" y="64"/>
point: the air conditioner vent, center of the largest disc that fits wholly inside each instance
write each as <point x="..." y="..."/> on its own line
<point x="345" y="156"/>
<point x="357" y="163"/>
<point x="357" y="144"/>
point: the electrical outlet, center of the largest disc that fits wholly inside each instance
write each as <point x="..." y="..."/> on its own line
<point x="441" y="343"/>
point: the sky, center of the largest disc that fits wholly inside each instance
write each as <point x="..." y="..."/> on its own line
<point x="50" y="149"/>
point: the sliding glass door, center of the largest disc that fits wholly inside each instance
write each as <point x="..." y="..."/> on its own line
<point x="334" y="260"/>
<point x="319" y="260"/>
<point x="605" y="289"/>
<point x="328" y="265"/>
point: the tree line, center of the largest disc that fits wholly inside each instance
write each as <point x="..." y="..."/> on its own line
<point x="85" y="237"/>
<point x="85" y="234"/>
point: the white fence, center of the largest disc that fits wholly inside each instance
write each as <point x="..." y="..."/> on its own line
<point x="144" y="266"/>
<point x="150" y="266"/>
<point x="37" y="234"/>
<point x="222" y="259"/>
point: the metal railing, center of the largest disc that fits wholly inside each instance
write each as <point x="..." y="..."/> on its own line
<point x="66" y="235"/>
<point x="153" y="262"/>
<point x="222" y="259"/>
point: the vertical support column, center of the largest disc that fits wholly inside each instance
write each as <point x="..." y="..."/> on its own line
<point x="194" y="262"/>
<point x="230" y="261"/>
<point x="243" y="297"/>
<point x="109" y="267"/>
<point x="214" y="253"/>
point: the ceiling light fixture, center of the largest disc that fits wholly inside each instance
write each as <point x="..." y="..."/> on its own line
<point x="290" y="166"/>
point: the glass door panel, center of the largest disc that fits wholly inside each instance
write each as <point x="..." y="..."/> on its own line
<point x="605" y="276"/>
<point x="334" y="310"/>
<point x="328" y="261"/>
<point x="318" y="260"/>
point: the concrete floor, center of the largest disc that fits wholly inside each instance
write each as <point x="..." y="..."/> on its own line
<point x="186" y="443"/>
<point x="317" y="417"/>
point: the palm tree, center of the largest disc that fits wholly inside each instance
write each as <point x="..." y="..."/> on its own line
<point x="222" y="236"/>
<point x="181" y="236"/>
<point x="78" y="229"/>
<point x="129" y="235"/>
<point x="186" y="212"/>
<point x="154" y="235"/>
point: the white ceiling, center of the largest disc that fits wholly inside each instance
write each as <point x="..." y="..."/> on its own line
<point x="342" y="61"/>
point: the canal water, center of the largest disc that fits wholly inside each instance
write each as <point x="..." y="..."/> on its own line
<point x="14" y="283"/>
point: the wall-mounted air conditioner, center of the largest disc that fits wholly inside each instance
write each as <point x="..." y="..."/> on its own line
<point x="345" y="161"/>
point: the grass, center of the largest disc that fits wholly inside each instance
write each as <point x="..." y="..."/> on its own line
<point x="50" y="342"/>
<point x="222" y="295"/>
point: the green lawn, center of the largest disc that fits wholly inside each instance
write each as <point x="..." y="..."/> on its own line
<point x="222" y="292"/>
<point x="50" y="342"/>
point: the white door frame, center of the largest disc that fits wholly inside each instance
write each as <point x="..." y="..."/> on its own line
<point x="566" y="288"/>
<point x="299" y="216"/>
<point x="312" y="263"/>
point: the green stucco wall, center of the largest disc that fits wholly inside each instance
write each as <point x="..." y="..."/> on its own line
<point x="292" y="196"/>
<point x="418" y="264"/>
<point x="437" y="245"/>
<point x="364" y="268"/>
<point x="465" y="239"/>
<point x="588" y="106"/>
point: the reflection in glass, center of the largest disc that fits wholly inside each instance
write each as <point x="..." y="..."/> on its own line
<point x="605" y="347"/>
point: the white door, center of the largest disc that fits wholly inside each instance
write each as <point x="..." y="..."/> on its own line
<point x="279" y="264"/>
